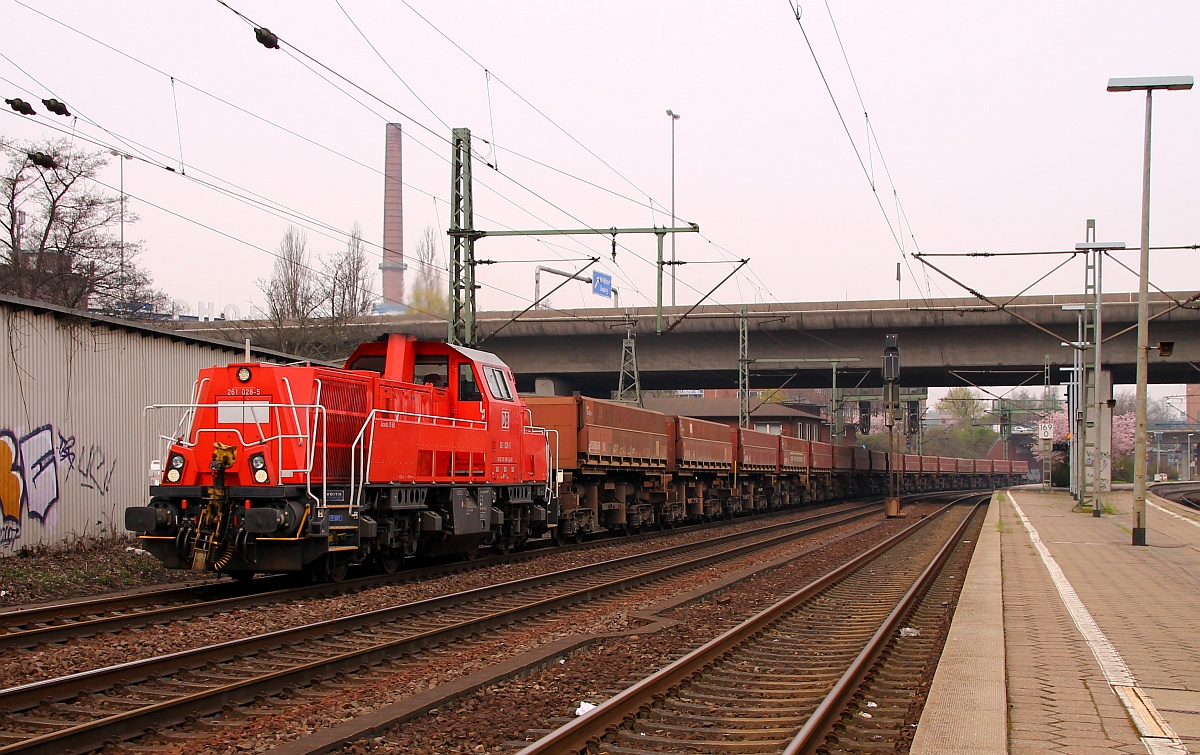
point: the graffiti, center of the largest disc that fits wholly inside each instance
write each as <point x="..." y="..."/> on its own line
<point x="12" y="489"/>
<point x="41" y="471"/>
<point x="36" y="471"/>
<point x="66" y="450"/>
<point x="95" y="471"/>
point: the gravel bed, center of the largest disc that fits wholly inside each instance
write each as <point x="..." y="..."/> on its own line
<point x="49" y="661"/>
<point x="484" y="721"/>
<point x="83" y="569"/>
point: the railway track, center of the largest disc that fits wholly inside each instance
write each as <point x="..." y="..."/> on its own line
<point x="68" y="620"/>
<point x="1183" y="493"/>
<point x="63" y="622"/>
<point x="85" y="710"/>
<point x="781" y="680"/>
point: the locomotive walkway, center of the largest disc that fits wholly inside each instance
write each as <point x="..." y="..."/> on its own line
<point x="1070" y="640"/>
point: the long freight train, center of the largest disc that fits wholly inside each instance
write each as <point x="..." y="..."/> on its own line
<point x="422" y="448"/>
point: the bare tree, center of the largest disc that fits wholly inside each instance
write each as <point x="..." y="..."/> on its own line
<point x="429" y="295"/>
<point x="345" y="286"/>
<point x="292" y="293"/>
<point x="345" y="293"/>
<point x="58" y="244"/>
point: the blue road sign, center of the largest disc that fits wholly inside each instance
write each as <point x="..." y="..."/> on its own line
<point x="602" y="285"/>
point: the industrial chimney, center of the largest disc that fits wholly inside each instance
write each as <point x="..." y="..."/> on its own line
<point x="393" y="223"/>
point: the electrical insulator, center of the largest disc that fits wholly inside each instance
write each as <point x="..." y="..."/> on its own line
<point x="56" y="107"/>
<point x="42" y="160"/>
<point x="266" y="38"/>
<point x="21" y="106"/>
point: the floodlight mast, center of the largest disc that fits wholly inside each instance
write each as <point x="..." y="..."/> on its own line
<point x="1148" y="83"/>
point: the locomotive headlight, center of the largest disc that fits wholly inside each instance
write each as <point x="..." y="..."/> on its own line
<point x="173" y="475"/>
<point x="175" y="462"/>
<point x="258" y="462"/>
<point x="243" y="374"/>
<point x="261" y="476"/>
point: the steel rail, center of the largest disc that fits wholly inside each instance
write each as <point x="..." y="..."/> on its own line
<point x="586" y="730"/>
<point x="65" y="621"/>
<point x="813" y="733"/>
<point x="132" y="723"/>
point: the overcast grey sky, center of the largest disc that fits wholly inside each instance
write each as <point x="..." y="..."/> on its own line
<point x="993" y="130"/>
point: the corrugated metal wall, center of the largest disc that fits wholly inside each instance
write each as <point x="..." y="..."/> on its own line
<point x="73" y="448"/>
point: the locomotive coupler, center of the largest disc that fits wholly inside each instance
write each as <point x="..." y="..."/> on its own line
<point x="214" y="517"/>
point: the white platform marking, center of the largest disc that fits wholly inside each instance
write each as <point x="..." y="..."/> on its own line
<point x="1156" y="734"/>
<point x="1168" y="512"/>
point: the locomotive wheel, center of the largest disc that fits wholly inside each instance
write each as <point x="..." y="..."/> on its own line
<point x="333" y="568"/>
<point x="388" y="561"/>
<point x="560" y="537"/>
<point x="470" y="554"/>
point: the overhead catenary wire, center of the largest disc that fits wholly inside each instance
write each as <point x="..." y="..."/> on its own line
<point x="309" y="268"/>
<point x="630" y="281"/>
<point x="291" y="215"/>
<point x="256" y="116"/>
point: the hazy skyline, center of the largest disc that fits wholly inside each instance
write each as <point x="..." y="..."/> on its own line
<point x="992" y="121"/>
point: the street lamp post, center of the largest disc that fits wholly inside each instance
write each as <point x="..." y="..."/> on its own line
<point x="122" y="157"/>
<point x="1148" y="83"/>
<point x="674" y="117"/>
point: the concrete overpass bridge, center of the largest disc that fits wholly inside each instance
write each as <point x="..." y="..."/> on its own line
<point x="943" y="342"/>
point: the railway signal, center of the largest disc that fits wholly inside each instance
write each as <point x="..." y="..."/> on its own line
<point x="891" y="397"/>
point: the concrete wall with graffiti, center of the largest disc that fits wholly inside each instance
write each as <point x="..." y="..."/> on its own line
<point x="74" y="448"/>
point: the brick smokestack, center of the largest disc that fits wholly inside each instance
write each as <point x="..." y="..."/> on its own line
<point x="393" y="221"/>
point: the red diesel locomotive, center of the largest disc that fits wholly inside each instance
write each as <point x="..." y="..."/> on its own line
<point x="413" y="448"/>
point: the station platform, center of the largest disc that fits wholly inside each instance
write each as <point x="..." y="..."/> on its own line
<point x="1068" y="638"/>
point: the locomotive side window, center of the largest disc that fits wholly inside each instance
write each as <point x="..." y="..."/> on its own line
<point x="468" y="389"/>
<point x="497" y="384"/>
<point x="369" y="362"/>
<point x="431" y="370"/>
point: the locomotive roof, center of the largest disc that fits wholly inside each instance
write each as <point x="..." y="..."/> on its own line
<point x="475" y="355"/>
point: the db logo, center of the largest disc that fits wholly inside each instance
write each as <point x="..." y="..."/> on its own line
<point x="504" y="420"/>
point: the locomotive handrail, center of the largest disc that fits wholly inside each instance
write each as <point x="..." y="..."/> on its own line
<point x="192" y="439"/>
<point x="359" y="446"/>
<point x="551" y="475"/>
<point x="312" y="451"/>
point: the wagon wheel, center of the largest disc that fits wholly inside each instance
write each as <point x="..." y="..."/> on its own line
<point x="559" y="536"/>
<point x="470" y="554"/>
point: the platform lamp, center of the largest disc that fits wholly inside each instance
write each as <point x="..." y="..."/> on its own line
<point x="1149" y="84"/>
<point x="891" y="400"/>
